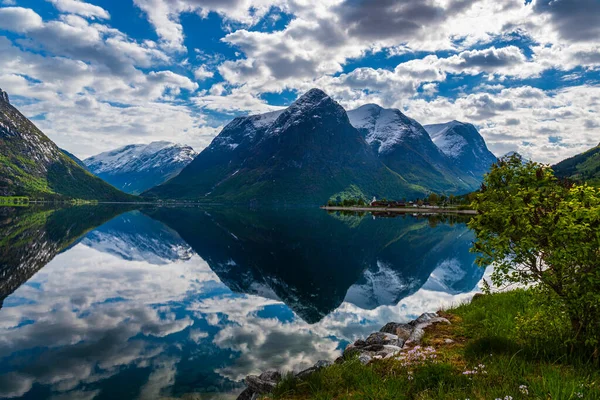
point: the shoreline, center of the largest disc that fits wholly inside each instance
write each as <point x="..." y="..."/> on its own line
<point x="406" y="210"/>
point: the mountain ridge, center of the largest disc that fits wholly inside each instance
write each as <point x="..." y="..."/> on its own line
<point x="302" y="155"/>
<point x="584" y="167"/>
<point x="32" y="165"/>
<point x="464" y="145"/>
<point x="135" y="168"/>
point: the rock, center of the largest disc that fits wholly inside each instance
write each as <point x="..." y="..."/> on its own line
<point x="403" y="331"/>
<point x="364" y="359"/>
<point x="271" y="376"/>
<point x="384" y="338"/>
<point x="424" y="318"/>
<point x="448" y="341"/>
<point x="247" y="394"/>
<point x="423" y="322"/>
<point x="320" y="364"/>
<point x="391" y="349"/>
<point x="265" y="383"/>
<point x="340" y="360"/>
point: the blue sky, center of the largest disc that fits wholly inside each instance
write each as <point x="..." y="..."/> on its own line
<point x="95" y="75"/>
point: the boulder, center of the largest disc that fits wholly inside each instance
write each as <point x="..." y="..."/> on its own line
<point x="383" y="338"/>
<point x="320" y="364"/>
<point x="265" y="383"/>
<point x="364" y="359"/>
<point x="403" y="331"/>
<point x="247" y="394"/>
<point x="421" y="323"/>
<point x="425" y="317"/>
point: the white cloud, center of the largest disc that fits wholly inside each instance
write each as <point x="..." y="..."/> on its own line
<point x="201" y="73"/>
<point x="81" y="8"/>
<point x="18" y="19"/>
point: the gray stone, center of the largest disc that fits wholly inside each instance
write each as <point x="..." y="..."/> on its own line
<point x="271" y="376"/>
<point x="259" y="385"/>
<point x="424" y="318"/>
<point x="448" y="341"/>
<point x="423" y="322"/>
<point x="364" y="359"/>
<point x="320" y="364"/>
<point x="383" y="338"/>
<point x="388" y="348"/>
<point x="403" y="331"/>
<point x="372" y="347"/>
<point x="247" y="394"/>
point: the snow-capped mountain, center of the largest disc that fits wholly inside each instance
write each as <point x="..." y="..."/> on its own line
<point x="406" y="148"/>
<point x="464" y="145"/>
<point x="134" y="236"/>
<point x="139" y="167"/>
<point x="303" y="154"/>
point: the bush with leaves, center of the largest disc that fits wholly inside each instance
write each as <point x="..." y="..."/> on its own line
<point x="536" y="229"/>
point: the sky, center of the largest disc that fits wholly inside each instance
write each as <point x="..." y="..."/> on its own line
<point x="99" y="74"/>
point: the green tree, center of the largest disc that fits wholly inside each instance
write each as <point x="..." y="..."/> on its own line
<point x="433" y="199"/>
<point x="535" y="229"/>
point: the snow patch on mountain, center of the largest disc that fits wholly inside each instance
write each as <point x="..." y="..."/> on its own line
<point x="446" y="139"/>
<point x="377" y="287"/>
<point x="140" y="157"/>
<point x="384" y="127"/>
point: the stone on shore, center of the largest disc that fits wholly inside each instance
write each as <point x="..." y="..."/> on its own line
<point x="403" y="331"/>
<point x="265" y="383"/>
<point x="390" y="341"/>
<point x="307" y="372"/>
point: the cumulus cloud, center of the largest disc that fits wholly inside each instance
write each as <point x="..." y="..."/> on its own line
<point x="164" y="15"/>
<point x="18" y="19"/>
<point x="575" y="20"/>
<point x="201" y="73"/>
<point x="81" y="8"/>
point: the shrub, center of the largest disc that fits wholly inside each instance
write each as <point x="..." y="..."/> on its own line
<point x="535" y="229"/>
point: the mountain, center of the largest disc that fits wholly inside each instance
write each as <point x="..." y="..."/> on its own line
<point x="32" y="165"/>
<point x="291" y="257"/>
<point x="304" y="154"/>
<point x="134" y="236"/>
<point x="30" y="237"/>
<point x="406" y="148"/>
<point x="74" y="158"/>
<point x="139" y="167"/>
<point x="584" y="167"/>
<point x="462" y="143"/>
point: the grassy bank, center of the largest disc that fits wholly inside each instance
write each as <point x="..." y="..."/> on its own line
<point x="500" y="346"/>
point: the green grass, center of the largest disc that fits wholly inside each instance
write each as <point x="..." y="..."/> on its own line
<point x="18" y="201"/>
<point x="523" y="357"/>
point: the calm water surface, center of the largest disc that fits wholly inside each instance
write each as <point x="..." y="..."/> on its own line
<point x="106" y="302"/>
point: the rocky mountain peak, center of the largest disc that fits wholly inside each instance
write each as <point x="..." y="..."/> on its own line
<point x="4" y="97"/>
<point x="313" y="105"/>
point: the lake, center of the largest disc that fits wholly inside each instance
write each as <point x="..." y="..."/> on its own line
<point x="112" y="302"/>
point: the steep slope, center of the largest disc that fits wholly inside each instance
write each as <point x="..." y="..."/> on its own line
<point x="302" y="155"/>
<point x="74" y="158"/>
<point x="463" y="144"/>
<point x="406" y="148"/>
<point x="32" y="165"/>
<point x="584" y="167"/>
<point x="139" y="167"/>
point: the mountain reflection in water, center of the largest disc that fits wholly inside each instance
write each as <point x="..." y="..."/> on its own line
<point x="108" y="303"/>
